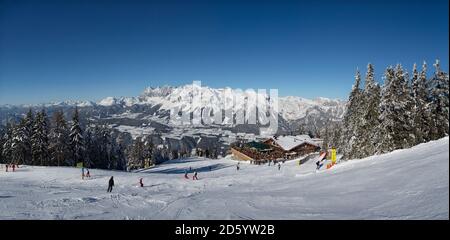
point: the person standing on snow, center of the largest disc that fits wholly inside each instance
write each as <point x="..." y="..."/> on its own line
<point x="88" y="175"/>
<point x="110" y="184"/>
<point x="279" y="166"/>
<point x="6" y="167"/>
<point x="186" y="174"/>
<point x="195" y="176"/>
<point x="82" y="173"/>
<point x="141" y="183"/>
<point x="14" y="167"/>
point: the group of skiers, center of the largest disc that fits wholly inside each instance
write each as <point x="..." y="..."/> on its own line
<point x="10" y="166"/>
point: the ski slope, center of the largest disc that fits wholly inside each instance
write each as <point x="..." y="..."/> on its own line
<point x="405" y="184"/>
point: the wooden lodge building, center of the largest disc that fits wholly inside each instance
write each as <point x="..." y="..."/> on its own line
<point x="275" y="148"/>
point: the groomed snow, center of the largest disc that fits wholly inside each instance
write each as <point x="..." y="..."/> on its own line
<point x="405" y="184"/>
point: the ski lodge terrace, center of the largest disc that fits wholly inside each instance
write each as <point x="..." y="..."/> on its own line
<point x="274" y="148"/>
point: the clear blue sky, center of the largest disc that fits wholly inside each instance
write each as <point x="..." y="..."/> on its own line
<point x="88" y="50"/>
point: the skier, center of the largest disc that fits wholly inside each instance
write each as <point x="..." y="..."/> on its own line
<point x="82" y="173"/>
<point x="110" y="184"/>
<point x="195" y="176"/>
<point x="14" y="167"/>
<point x="237" y="167"/>
<point x="141" y="183"/>
<point x="279" y="166"/>
<point x="6" y="167"/>
<point x="88" y="175"/>
<point x="186" y="174"/>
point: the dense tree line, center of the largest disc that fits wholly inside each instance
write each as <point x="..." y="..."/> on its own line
<point x="38" y="140"/>
<point x="404" y="111"/>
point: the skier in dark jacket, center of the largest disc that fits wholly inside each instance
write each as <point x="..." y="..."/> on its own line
<point x="110" y="184"/>
<point x="279" y="166"/>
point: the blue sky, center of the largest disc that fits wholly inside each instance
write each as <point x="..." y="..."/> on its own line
<point x="88" y="50"/>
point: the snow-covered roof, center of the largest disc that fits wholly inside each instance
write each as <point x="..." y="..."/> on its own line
<point x="290" y="142"/>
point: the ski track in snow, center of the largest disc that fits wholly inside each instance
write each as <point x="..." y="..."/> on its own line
<point x="405" y="184"/>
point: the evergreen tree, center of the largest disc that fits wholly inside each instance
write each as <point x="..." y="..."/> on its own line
<point x="76" y="140"/>
<point x="39" y="140"/>
<point x="350" y="121"/>
<point x="27" y="133"/>
<point x="17" y="148"/>
<point x="59" y="140"/>
<point x="106" y="144"/>
<point x="439" y="108"/>
<point x="370" y="115"/>
<point x="326" y="137"/>
<point x="135" y="155"/>
<point x="7" y="138"/>
<point x="2" y="141"/>
<point x="91" y="147"/>
<point x="421" y="117"/>
<point x="396" y="127"/>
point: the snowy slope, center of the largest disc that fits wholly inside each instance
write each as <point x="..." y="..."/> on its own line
<point x="405" y="184"/>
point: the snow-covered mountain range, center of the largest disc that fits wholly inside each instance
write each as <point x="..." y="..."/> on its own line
<point x="152" y="108"/>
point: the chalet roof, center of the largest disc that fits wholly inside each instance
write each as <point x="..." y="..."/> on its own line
<point x="287" y="143"/>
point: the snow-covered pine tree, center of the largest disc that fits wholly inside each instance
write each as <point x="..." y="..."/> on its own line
<point x="39" y="139"/>
<point x="7" y="142"/>
<point x="27" y="133"/>
<point x="384" y="131"/>
<point x="439" y="108"/>
<point x="336" y="135"/>
<point x="120" y="156"/>
<point x="91" y="149"/>
<point x="17" y="146"/>
<point x="135" y="155"/>
<point x="2" y="141"/>
<point x="396" y="126"/>
<point x="59" y="140"/>
<point x="419" y="94"/>
<point x="351" y="121"/>
<point x="326" y="136"/>
<point x="76" y="140"/>
<point x="370" y="115"/>
<point x="107" y="146"/>
<point x="148" y="150"/>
